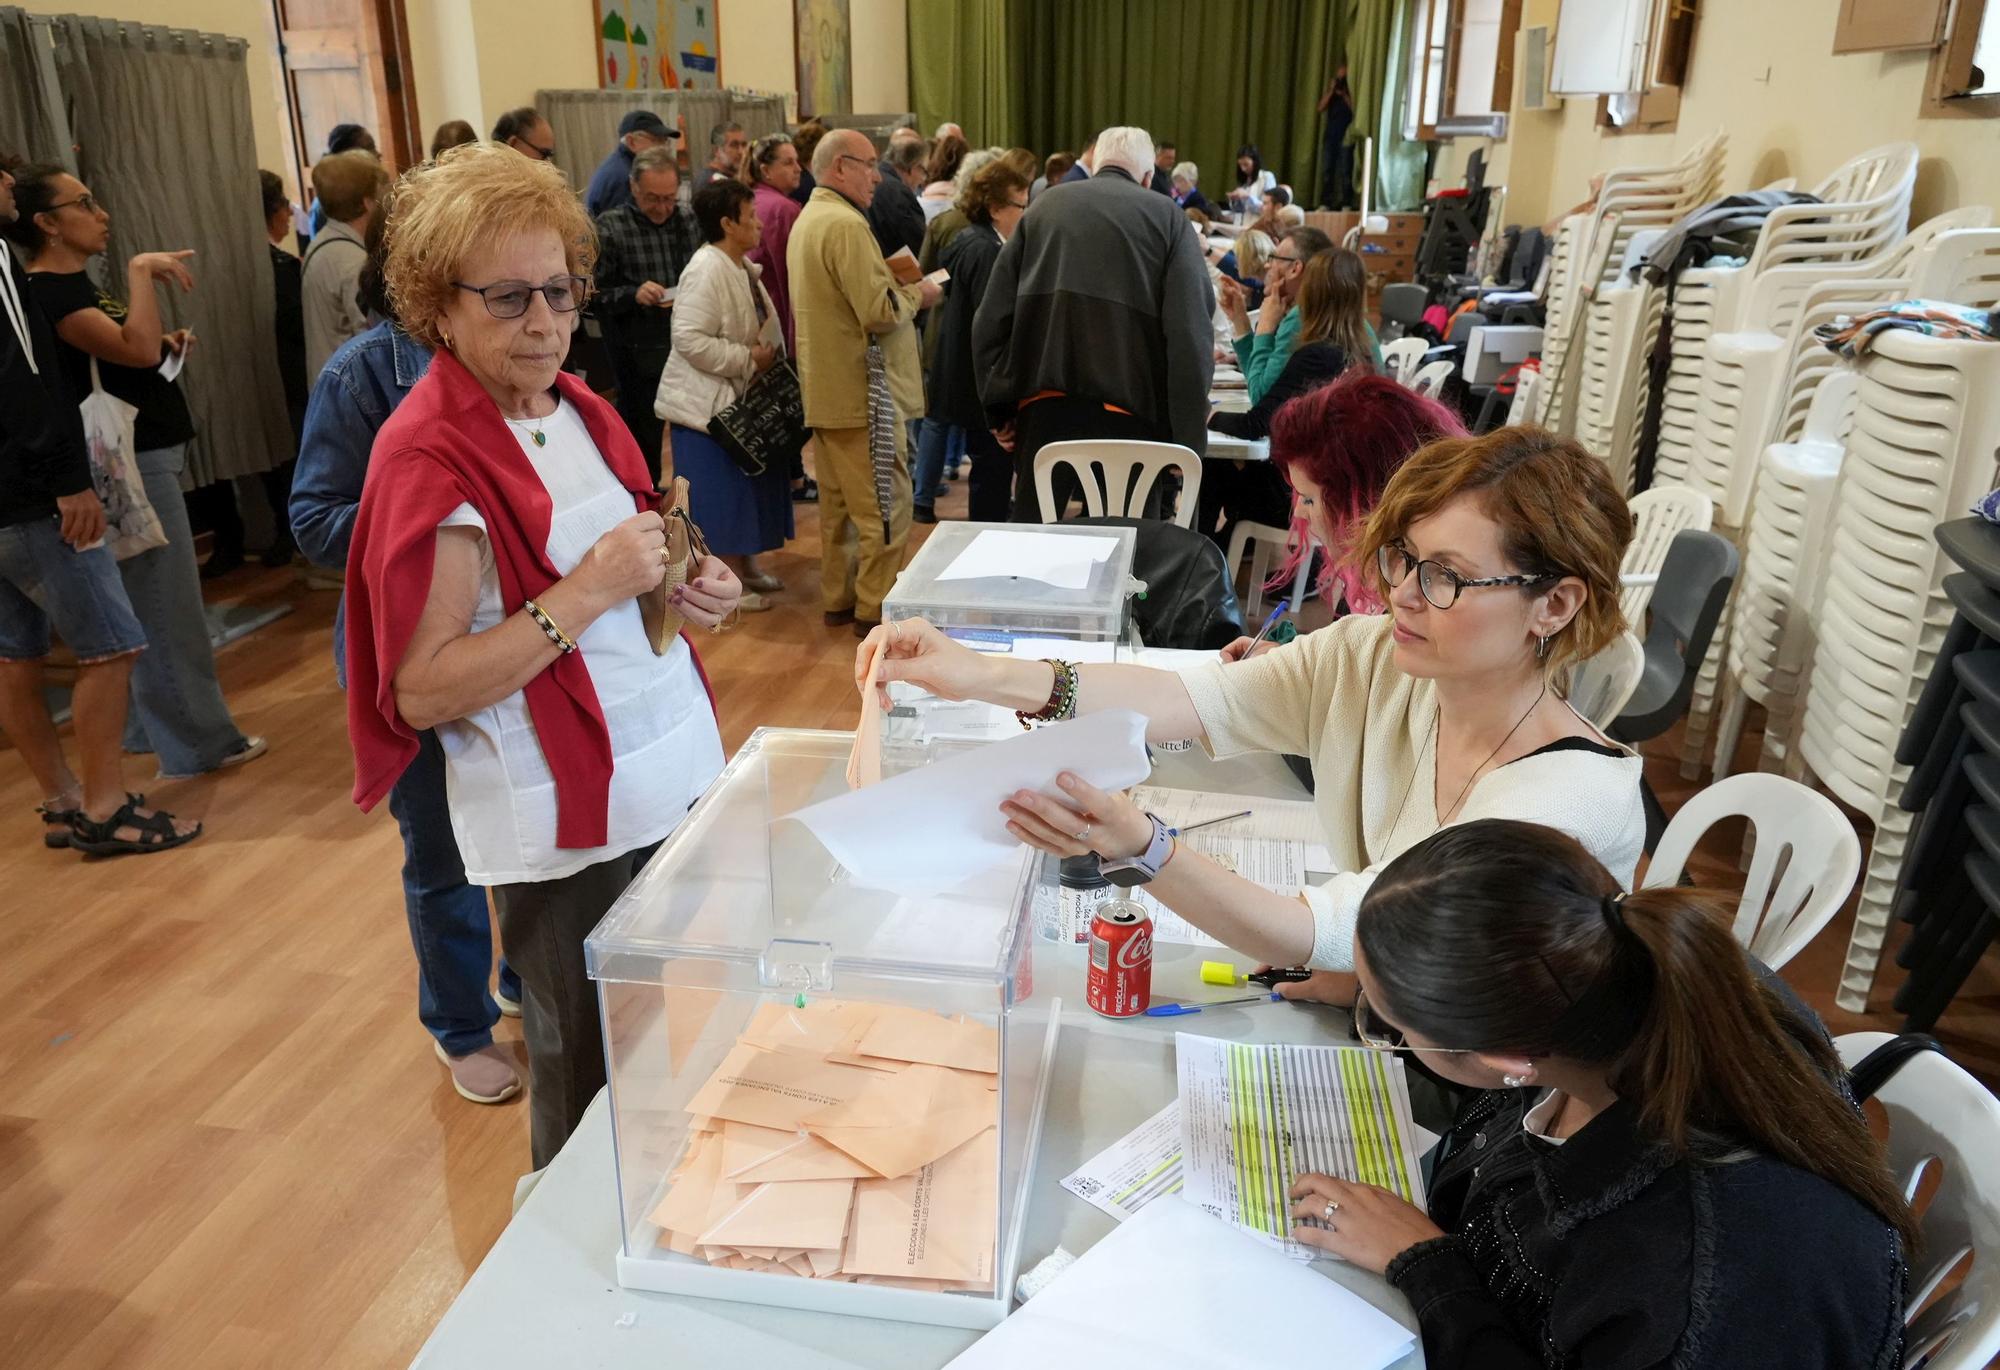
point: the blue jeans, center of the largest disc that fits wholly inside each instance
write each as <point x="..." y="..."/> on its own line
<point x="448" y="924"/>
<point x="936" y="442"/>
<point x="43" y="579"/>
<point x="178" y="711"/>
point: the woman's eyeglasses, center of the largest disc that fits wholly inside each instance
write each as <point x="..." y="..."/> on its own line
<point x="87" y="203"/>
<point x="509" y="299"/>
<point x="1441" y="585"/>
<point x="1374" y="1033"/>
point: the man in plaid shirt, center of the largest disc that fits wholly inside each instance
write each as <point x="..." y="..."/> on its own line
<point x="643" y="247"/>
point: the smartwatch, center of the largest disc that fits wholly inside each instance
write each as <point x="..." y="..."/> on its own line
<point x="1140" y="869"/>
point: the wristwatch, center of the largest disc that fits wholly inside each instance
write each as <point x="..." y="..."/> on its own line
<point x="1140" y="869"/>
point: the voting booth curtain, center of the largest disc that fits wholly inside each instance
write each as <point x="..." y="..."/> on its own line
<point x="1210" y="74"/>
<point x="155" y="121"/>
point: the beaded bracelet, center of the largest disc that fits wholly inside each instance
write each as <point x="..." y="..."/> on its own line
<point x="1062" y="698"/>
<point x="554" y="634"/>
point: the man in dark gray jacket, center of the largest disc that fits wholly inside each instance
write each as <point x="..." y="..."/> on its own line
<point x="1097" y="321"/>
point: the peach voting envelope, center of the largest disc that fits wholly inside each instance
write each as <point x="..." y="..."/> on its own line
<point x="807" y="1214"/>
<point x="776" y="1088"/>
<point x="760" y="1155"/>
<point x="910" y="1034"/>
<point x="812" y="1029"/>
<point x="898" y="1123"/>
<point x="864" y="762"/>
<point x="938" y="1224"/>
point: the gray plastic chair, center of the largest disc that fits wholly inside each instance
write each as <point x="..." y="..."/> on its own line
<point x="1694" y="584"/>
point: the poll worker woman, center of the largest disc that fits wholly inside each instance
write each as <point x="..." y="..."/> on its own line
<point x="506" y="527"/>
<point x="1345" y="441"/>
<point x="1499" y="556"/>
<point x="1658" y="1164"/>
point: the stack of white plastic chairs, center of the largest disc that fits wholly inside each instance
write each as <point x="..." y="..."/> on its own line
<point x="1921" y="449"/>
<point x="1731" y="386"/>
<point x="1630" y="202"/>
<point x="1785" y="538"/>
<point x="1861" y="214"/>
<point x="1619" y="317"/>
<point x="1559" y="308"/>
<point x="1784" y="558"/>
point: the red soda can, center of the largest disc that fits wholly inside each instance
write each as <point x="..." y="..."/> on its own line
<point x="1121" y="960"/>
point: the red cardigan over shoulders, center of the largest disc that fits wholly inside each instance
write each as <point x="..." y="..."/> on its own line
<point x="448" y="445"/>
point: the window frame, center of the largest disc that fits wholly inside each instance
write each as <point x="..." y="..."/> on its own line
<point x="1450" y="124"/>
<point x="1951" y="67"/>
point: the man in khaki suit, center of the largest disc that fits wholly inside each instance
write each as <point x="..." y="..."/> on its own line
<point x="844" y="295"/>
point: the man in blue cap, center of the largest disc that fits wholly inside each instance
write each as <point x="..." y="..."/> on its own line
<point x="611" y="183"/>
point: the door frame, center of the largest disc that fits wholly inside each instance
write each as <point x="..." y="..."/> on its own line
<point x="385" y="56"/>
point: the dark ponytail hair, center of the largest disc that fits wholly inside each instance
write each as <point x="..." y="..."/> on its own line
<point x="34" y="192"/>
<point x="1498" y="935"/>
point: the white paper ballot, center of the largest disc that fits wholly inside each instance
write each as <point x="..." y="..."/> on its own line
<point x="1141" y="1166"/>
<point x="170" y="367"/>
<point x="1064" y="560"/>
<point x="1173" y="1289"/>
<point x="929" y="829"/>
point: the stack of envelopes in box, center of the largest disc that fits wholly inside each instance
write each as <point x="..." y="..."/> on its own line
<point x="846" y="1141"/>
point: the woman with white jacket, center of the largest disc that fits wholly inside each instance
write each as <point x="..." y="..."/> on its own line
<point x="726" y="334"/>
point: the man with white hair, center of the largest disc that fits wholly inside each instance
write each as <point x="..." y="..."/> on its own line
<point x="947" y="130"/>
<point x="1096" y="323"/>
<point x="857" y="349"/>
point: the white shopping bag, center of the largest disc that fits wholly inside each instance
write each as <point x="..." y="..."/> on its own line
<point x="131" y="524"/>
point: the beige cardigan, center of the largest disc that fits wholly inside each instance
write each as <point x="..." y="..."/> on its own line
<point x="1336" y="697"/>
<point x="715" y="325"/>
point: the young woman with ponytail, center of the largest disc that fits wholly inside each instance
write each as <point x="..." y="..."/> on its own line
<point x="1660" y="1166"/>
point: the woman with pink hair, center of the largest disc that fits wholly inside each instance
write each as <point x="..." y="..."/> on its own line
<point x="1337" y="446"/>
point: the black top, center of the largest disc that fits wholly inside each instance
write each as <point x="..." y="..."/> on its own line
<point x="954" y="388"/>
<point x="42" y="453"/>
<point x="163" y="413"/>
<point x="1308" y="368"/>
<point x="1605" y="1252"/>
<point x="288" y="273"/>
<point x="896" y="215"/>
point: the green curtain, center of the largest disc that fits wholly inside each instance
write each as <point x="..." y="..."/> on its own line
<point x="1208" y="74"/>
<point x="1378" y="72"/>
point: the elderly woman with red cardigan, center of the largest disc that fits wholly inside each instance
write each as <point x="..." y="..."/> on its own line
<point x="506" y="531"/>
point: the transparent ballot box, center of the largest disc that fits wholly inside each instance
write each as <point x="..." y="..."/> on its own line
<point x="823" y="1095"/>
<point x="1036" y="590"/>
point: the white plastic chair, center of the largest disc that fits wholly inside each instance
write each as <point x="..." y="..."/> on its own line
<point x="1941" y="1118"/>
<point x="1658" y="516"/>
<point x="1430" y="378"/>
<point x="1790" y="825"/>
<point x="1600" y="688"/>
<point x="1117" y="475"/>
<point x="1263" y="544"/>
<point x="1401" y="358"/>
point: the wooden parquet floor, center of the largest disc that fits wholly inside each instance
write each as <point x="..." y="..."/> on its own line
<point x="224" y="1139"/>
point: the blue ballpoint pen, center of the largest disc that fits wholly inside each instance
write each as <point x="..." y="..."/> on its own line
<point x="1269" y="624"/>
<point x="1176" y="1010"/>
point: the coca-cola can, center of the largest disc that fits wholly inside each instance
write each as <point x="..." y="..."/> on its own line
<point x="1120" y="984"/>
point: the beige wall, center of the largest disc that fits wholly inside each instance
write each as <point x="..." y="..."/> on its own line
<point x="474" y="59"/>
<point x="1763" y="70"/>
<point x="517" y="47"/>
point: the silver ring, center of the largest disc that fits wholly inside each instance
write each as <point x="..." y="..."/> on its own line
<point x="1084" y="836"/>
<point x="1331" y="1209"/>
